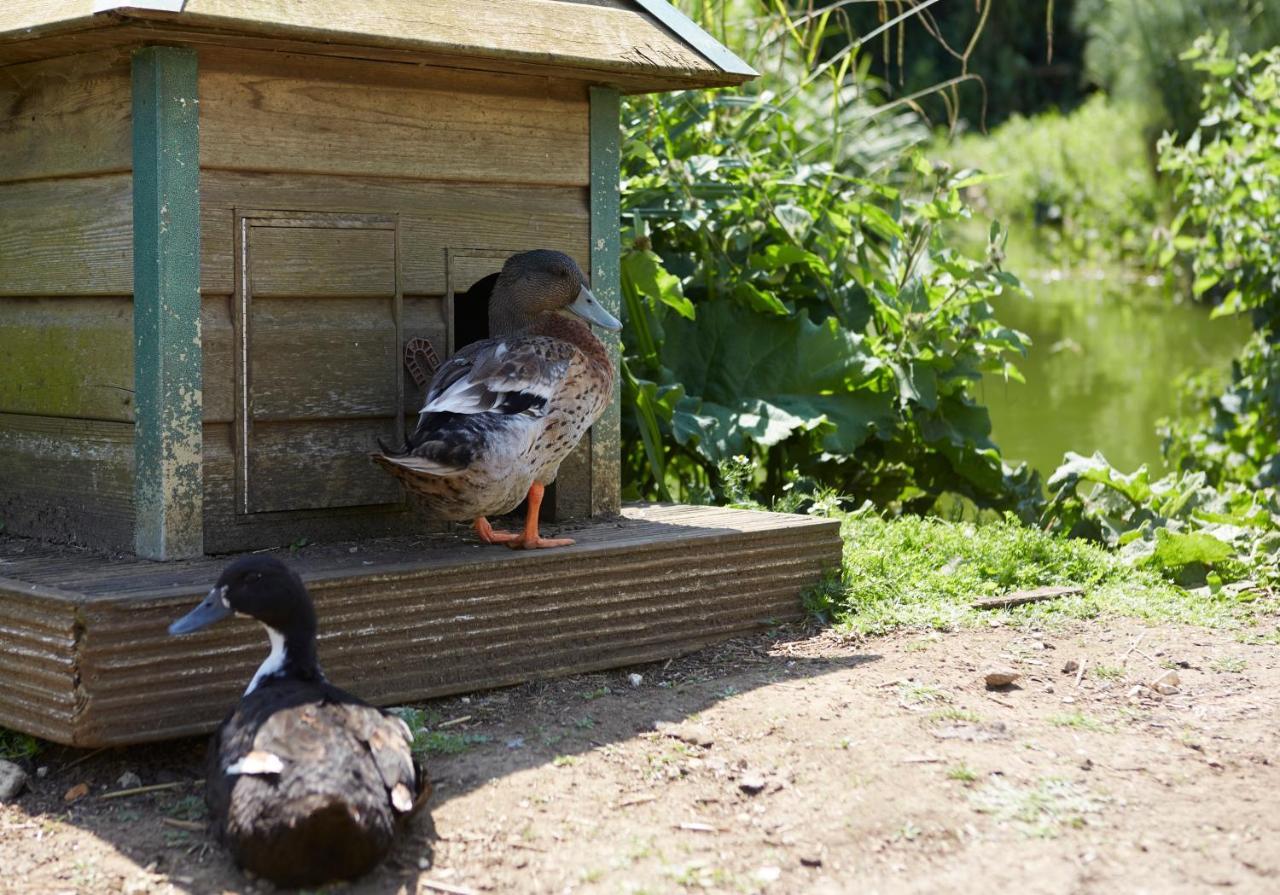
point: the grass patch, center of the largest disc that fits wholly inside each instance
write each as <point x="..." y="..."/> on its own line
<point x="955" y="714"/>
<point x="1229" y="665"/>
<point x="1041" y="810"/>
<point x="915" y="694"/>
<point x="923" y="572"/>
<point x="16" y="746"/>
<point x="962" y="773"/>
<point x="1080" y="721"/>
<point x="1107" y="672"/>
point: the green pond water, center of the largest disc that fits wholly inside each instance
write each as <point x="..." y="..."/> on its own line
<point x="1109" y="348"/>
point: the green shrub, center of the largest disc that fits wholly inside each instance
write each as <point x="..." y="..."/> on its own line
<point x="1226" y="181"/>
<point x="812" y="321"/>
<point x="1084" y="180"/>
<point x="1133" y="49"/>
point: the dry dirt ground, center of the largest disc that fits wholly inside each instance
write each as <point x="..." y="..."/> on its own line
<point x="795" y="761"/>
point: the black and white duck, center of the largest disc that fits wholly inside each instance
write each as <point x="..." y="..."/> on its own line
<point x="501" y="415"/>
<point x="307" y="784"/>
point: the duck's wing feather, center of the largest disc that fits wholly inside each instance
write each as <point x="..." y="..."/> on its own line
<point x="489" y="392"/>
<point x="506" y="376"/>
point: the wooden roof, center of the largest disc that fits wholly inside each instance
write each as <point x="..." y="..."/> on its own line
<point x="637" y="45"/>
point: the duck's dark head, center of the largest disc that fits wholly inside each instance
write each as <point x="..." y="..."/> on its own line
<point x="542" y="282"/>
<point x="263" y="588"/>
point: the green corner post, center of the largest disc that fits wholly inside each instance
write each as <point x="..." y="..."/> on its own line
<point x="168" y="486"/>
<point x="606" y="283"/>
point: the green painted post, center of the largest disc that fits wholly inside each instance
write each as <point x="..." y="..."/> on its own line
<point x="606" y="283"/>
<point x="168" y="487"/>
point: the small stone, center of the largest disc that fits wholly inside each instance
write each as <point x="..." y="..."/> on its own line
<point x="42" y="771"/>
<point x="810" y="861"/>
<point x="76" y="793"/>
<point x="128" y="780"/>
<point x="1167" y="683"/>
<point x="692" y="734"/>
<point x="1070" y="667"/>
<point x="1086" y="764"/>
<point x="12" y="780"/>
<point x="751" y="784"/>
<point x="635" y="679"/>
<point x="515" y="743"/>
<point x="1000" y="677"/>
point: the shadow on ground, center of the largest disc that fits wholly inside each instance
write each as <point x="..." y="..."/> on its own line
<point x="158" y="838"/>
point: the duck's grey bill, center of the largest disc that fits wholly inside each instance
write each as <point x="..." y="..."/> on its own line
<point x="211" y="609"/>
<point x="589" y="309"/>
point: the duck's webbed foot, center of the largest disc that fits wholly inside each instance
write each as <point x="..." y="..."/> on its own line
<point x="489" y="536"/>
<point x="530" y="539"/>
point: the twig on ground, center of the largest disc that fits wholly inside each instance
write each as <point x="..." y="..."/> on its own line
<point x="1080" y="672"/>
<point x="142" y="790"/>
<point x="81" y="760"/>
<point x="1019" y="597"/>
<point x="453" y="723"/>
<point x="193" y="826"/>
<point x="1133" y="646"/>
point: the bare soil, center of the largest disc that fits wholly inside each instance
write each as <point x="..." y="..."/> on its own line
<point x="796" y="761"/>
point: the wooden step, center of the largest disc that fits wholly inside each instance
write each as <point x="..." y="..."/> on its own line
<point x="85" y="658"/>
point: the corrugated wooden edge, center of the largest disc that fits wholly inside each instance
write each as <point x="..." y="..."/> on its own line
<point x="101" y="670"/>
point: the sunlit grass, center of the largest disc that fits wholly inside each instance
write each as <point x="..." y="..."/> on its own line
<point x="924" y="573"/>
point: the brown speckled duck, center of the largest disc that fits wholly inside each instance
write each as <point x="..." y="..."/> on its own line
<point x="502" y="414"/>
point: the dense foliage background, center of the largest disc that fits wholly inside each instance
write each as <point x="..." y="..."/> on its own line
<point x="812" y="274"/>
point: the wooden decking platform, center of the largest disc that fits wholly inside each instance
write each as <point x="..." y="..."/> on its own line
<point x="85" y="658"/>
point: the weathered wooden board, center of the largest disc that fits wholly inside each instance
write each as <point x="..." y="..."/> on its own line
<point x="63" y="117"/>
<point x="432" y="216"/>
<point x="67" y="479"/>
<point x="261" y="112"/>
<point x="306" y="262"/>
<point x="531" y="30"/>
<point x="42" y="30"/>
<point x="323" y="358"/>
<point x="66" y="237"/>
<point x="318" y="465"/>
<point x="422" y="317"/>
<point x="67" y="357"/>
<point x="416" y="621"/>
<point x="226" y="530"/>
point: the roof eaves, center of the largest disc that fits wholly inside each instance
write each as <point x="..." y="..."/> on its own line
<point x="158" y="5"/>
<point x="689" y="31"/>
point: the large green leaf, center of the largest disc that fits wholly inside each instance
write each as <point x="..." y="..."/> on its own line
<point x="764" y="378"/>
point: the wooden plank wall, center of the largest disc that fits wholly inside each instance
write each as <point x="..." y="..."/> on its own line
<point x="66" y="315"/>
<point x="462" y="160"/>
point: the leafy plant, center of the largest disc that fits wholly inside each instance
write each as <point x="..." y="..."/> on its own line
<point x="1133" y="45"/>
<point x="814" y="322"/>
<point x="15" y="746"/>
<point x="1180" y="524"/>
<point x="1227" y="180"/>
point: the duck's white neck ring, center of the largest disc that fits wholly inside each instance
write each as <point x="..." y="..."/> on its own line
<point x="274" y="663"/>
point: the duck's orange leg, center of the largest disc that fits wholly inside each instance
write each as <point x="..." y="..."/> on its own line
<point x="489" y="536"/>
<point x="531" y="539"/>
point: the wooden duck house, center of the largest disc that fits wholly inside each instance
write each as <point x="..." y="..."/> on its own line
<point x="221" y="223"/>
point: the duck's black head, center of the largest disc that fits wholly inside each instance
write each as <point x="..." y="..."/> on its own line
<point x="263" y="588"/>
<point x="540" y="282"/>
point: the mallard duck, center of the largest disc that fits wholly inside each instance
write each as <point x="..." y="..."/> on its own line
<point x="306" y="783"/>
<point x="502" y="414"/>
